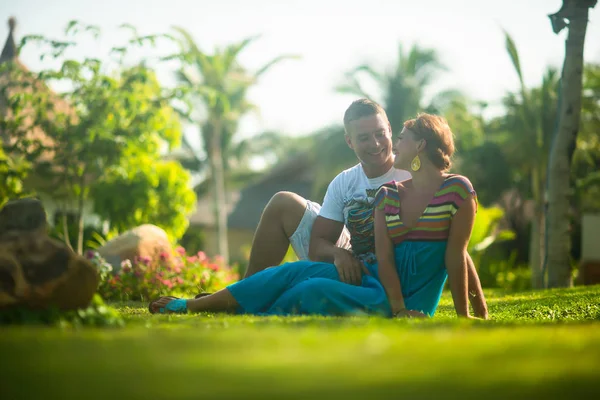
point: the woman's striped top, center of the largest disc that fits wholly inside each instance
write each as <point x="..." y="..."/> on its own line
<point x="434" y="223"/>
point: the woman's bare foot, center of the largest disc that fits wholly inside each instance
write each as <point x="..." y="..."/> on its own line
<point x="159" y="305"/>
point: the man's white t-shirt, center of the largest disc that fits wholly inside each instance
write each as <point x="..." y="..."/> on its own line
<point x="349" y="199"/>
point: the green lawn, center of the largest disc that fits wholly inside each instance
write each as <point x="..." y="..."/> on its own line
<point x="539" y="345"/>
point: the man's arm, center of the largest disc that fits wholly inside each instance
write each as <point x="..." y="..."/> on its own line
<point x="325" y="234"/>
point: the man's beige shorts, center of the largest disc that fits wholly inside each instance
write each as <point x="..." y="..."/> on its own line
<point x="300" y="239"/>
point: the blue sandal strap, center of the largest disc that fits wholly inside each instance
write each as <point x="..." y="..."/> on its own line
<point x="177" y="306"/>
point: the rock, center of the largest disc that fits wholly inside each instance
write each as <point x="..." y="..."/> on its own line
<point x="37" y="271"/>
<point x="144" y="241"/>
<point x="22" y="215"/>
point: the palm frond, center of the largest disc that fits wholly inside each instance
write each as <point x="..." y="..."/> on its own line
<point x="275" y="61"/>
<point x="186" y="42"/>
<point x="231" y="53"/>
<point x="183" y="78"/>
<point x="442" y="100"/>
<point x="511" y="48"/>
<point x="369" y="70"/>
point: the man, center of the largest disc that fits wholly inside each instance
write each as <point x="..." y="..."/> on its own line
<point x="341" y="231"/>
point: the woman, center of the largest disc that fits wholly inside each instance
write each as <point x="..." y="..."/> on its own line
<point x="422" y="228"/>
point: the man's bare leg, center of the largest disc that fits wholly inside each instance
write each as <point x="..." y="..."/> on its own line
<point x="278" y="222"/>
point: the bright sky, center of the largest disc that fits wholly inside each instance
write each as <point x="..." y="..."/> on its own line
<point x="332" y="36"/>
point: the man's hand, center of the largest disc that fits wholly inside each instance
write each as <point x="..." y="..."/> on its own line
<point x="349" y="267"/>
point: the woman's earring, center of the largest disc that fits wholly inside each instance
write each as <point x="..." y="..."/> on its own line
<point x="415" y="165"/>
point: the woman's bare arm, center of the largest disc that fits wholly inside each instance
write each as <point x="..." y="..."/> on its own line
<point x="384" y="251"/>
<point x="456" y="255"/>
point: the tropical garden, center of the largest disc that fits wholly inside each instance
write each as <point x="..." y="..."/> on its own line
<point x="113" y="156"/>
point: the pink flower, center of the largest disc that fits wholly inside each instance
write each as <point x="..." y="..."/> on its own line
<point x="219" y="259"/>
<point x="167" y="283"/>
<point x="192" y="259"/>
<point x="201" y="256"/>
<point x="177" y="270"/>
<point x="179" y="281"/>
<point x="164" y="256"/>
<point x="205" y="277"/>
<point x="145" y="260"/>
<point x="213" y="267"/>
<point x="89" y="254"/>
<point x="180" y="250"/>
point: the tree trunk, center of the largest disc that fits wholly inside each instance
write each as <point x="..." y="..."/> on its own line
<point x="80" y="225"/>
<point x="220" y="203"/>
<point x="535" y="250"/>
<point x="559" y="186"/>
<point x="536" y="240"/>
<point x="65" y="227"/>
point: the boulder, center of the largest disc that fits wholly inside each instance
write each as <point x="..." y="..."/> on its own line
<point x="37" y="271"/>
<point x="144" y="241"/>
<point x="22" y="215"/>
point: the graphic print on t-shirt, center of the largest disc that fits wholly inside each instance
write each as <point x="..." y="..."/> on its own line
<point x="359" y="221"/>
<point x="349" y="199"/>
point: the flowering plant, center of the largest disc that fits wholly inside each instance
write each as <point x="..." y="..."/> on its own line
<point x="174" y="274"/>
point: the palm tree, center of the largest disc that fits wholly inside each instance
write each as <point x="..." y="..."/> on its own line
<point x="215" y="87"/>
<point x="528" y="126"/>
<point x="402" y="91"/>
<point x="559" y="167"/>
<point x="403" y="86"/>
<point x="585" y="168"/>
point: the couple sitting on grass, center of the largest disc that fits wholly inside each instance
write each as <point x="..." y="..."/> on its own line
<point x="383" y="243"/>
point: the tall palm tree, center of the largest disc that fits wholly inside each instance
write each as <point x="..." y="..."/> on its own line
<point x="215" y="87"/>
<point x="528" y="125"/>
<point x="559" y="266"/>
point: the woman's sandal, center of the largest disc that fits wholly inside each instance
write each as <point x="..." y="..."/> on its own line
<point x="175" y="298"/>
<point x="176" y="305"/>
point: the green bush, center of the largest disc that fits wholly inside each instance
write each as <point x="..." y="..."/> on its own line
<point x="495" y="269"/>
<point x="170" y="274"/>
<point x="504" y="274"/>
<point x="97" y="314"/>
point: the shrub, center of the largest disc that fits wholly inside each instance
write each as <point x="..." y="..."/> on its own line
<point x="170" y="274"/>
<point x="505" y="274"/>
